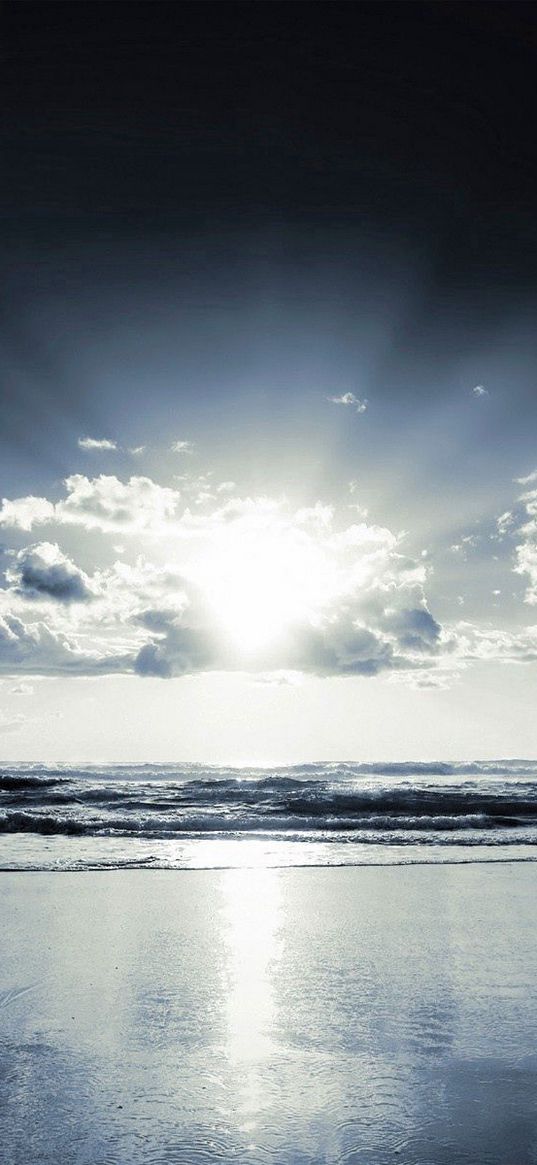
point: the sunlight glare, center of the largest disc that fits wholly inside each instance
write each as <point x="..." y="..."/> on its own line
<point x="260" y="584"/>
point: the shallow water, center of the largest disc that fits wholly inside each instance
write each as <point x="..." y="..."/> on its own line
<point x="346" y="1016"/>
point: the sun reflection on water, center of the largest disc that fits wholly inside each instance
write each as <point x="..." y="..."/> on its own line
<point x="252" y="902"/>
<point x="252" y="915"/>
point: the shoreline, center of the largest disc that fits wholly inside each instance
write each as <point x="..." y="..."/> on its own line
<point x="389" y="865"/>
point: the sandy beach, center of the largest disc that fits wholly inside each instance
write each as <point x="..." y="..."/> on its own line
<point x="343" y="1015"/>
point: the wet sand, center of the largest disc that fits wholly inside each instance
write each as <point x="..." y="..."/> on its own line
<point x="357" y="1016"/>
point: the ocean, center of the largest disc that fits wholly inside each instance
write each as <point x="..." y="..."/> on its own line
<point x="247" y="1011"/>
<point x="192" y="816"/>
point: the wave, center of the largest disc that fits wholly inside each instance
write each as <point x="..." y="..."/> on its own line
<point x="410" y="831"/>
<point x="492" y="802"/>
<point x="27" y="781"/>
<point x="209" y="774"/>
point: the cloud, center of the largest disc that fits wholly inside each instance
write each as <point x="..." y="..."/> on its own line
<point x="249" y="584"/>
<point x="24" y="513"/>
<point x="96" y="444"/>
<point x="336" y="648"/>
<point x="180" y="645"/>
<point x="152" y="660"/>
<point x="505" y="522"/>
<point x="137" y="450"/>
<point x="37" y="649"/>
<point x="528" y="480"/>
<point x="472" y="643"/>
<point x="521" y="523"/>
<point x="415" y="629"/>
<point x="182" y="447"/>
<point x="101" y="503"/>
<point x="200" y="488"/>
<point x="467" y="542"/>
<point x="348" y="398"/>
<point x="353" y="604"/>
<point x="182" y="651"/>
<point x="526" y="550"/>
<point x="480" y="390"/>
<point x="43" y="572"/>
<point x="108" y="504"/>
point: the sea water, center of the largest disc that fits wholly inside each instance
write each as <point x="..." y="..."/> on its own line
<point x="194" y="816"/>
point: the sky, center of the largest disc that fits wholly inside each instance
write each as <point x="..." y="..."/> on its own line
<point x="268" y="450"/>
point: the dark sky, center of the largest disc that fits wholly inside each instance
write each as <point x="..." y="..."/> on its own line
<point x="156" y="117"/>
<point x="198" y="198"/>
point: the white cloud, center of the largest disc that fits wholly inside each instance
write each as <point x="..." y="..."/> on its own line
<point x="467" y="542"/>
<point x="360" y="510"/>
<point x="528" y="480"/>
<point x="471" y="643"/>
<point x="96" y="444"/>
<point x="348" y="398"/>
<point x="108" y="504"/>
<point x="505" y="522"/>
<point x="137" y="450"/>
<point x="523" y="523"/>
<point x="480" y="390"/>
<point x="101" y="503"/>
<point x="24" y="513"/>
<point x="182" y="447"/>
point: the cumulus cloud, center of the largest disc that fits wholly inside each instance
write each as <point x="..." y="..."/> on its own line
<point x="43" y="572"/>
<point x="178" y="651"/>
<point x="337" y="647"/>
<point x="415" y="629"/>
<point x="480" y="390"/>
<point x="37" y="649"/>
<point x="24" y="513"/>
<point x="101" y="444"/>
<point x="101" y="503"/>
<point x="348" y="398"/>
<point x="108" y="504"/>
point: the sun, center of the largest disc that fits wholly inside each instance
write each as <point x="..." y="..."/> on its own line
<point x="261" y="583"/>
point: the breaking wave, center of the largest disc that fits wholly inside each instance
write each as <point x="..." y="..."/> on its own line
<point x="480" y="803"/>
